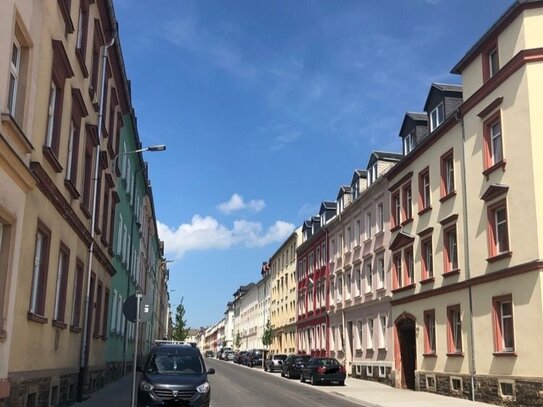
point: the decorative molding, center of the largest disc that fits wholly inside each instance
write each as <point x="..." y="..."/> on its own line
<point x="448" y="219"/>
<point x="494" y="191"/>
<point x="490" y="108"/>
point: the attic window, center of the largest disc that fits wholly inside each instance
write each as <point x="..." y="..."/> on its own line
<point x="437" y="116"/>
<point x="491" y="63"/>
<point x="408" y="143"/>
<point x="372" y="174"/>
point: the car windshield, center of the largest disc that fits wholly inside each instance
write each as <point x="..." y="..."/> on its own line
<point x="327" y="362"/>
<point x="279" y="357"/>
<point x="302" y="358"/>
<point x="175" y="364"/>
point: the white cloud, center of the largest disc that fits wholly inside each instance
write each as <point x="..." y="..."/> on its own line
<point x="206" y="233"/>
<point x="236" y="203"/>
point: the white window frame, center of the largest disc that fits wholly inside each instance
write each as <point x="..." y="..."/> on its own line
<point x="437" y="116"/>
<point x="14" y="72"/>
<point x="53" y="91"/>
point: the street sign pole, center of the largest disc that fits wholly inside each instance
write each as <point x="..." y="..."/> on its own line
<point x="134" y="367"/>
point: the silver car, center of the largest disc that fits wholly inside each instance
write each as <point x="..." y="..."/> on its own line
<point x="273" y="362"/>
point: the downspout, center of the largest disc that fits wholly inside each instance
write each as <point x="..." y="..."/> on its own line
<point x="84" y="340"/>
<point x="471" y="338"/>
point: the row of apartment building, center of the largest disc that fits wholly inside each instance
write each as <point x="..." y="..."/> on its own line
<point x="78" y="233"/>
<point x="426" y="271"/>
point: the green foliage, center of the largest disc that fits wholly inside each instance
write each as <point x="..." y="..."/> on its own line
<point x="267" y="337"/>
<point x="237" y="340"/>
<point x="180" y="330"/>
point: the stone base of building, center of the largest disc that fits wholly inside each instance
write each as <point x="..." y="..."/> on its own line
<point x="50" y="388"/>
<point x="499" y="390"/>
<point x="373" y="372"/>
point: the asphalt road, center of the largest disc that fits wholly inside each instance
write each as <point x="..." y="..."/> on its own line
<point x="235" y="385"/>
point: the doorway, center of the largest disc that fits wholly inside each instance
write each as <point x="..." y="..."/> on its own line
<point x="405" y="328"/>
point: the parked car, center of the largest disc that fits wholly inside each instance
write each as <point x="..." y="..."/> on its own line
<point x="323" y="370"/>
<point x="254" y="358"/>
<point x="174" y="374"/>
<point x="229" y="355"/>
<point x="292" y="365"/>
<point x="209" y="354"/>
<point x="222" y="352"/>
<point x="274" y="362"/>
<point x="240" y="356"/>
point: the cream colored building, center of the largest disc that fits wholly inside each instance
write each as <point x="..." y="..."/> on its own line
<point x="51" y="58"/>
<point x="359" y="314"/>
<point x="468" y="281"/>
<point x="283" y="295"/>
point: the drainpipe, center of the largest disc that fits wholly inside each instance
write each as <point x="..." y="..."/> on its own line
<point x="471" y="338"/>
<point x="85" y="345"/>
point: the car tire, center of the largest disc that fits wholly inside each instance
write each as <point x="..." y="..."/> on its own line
<point x="282" y="374"/>
<point x="312" y="380"/>
<point x="302" y="378"/>
<point x="342" y="383"/>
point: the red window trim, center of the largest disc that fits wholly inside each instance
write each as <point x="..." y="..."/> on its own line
<point x="394" y="216"/>
<point x="427" y="350"/>
<point x="486" y="60"/>
<point x="447" y="266"/>
<point x="407" y="217"/>
<point x="395" y="282"/>
<point x="451" y="349"/>
<point x="424" y="271"/>
<point x="407" y="279"/>
<point x="444" y="193"/>
<point x="498" y="336"/>
<point x="487" y="154"/>
<point x="422" y="206"/>
<point x="491" y="228"/>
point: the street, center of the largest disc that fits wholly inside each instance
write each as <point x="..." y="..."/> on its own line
<point x="236" y="385"/>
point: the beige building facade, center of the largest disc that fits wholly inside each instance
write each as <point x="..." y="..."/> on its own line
<point x="283" y="295"/>
<point x="467" y="263"/>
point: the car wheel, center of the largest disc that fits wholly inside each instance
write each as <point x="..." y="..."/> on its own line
<point x="302" y="378"/>
<point x="288" y="373"/>
<point x="282" y="374"/>
<point x="312" y="380"/>
<point x="342" y="383"/>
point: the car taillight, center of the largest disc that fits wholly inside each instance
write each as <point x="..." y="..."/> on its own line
<point x="342" y="369"/>
<point x="321" y="370"/>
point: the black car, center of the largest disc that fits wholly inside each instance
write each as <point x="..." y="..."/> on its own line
<point x="174" y="375"/>
<point x="323" y="370"/>
<point x="292" y="365"/>
<point x="254" y="358"/>
<point x="240" y="356"/>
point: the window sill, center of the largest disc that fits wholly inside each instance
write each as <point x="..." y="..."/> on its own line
<point x="59" y="324"/>
<point x="404" y="288"/>
<point x="104" y="241"/>
<point x="447" y="197"/>
<point x="51" y="157"/>
<point x="368" y="293"/>
<point x="81" y="59"/>
<point x="493" y="168"/>
<point x="85" y="210"/>
<point x="455" y="354"/>
<point x="423" y="211"/>
<point x="382" y="349"/>
<point x="380" y="290"/>
<point x="500" y="256"/>
<point x="75" y="329"/>
<point x="36" y="318"/>
<point x="379" y="233"/>
<point x="395" y="228"/>
<point x="430" y="355"/>
<point x="71" y="189"/>
<point x="451" y="273"/>
<point x="505" y="354"/>
<point x="427" y="280"/>
<point x="22" y="140"/>
<point x="407" y="221"/>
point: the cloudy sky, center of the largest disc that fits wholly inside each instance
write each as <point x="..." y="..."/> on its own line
<point x="267" y="108"/>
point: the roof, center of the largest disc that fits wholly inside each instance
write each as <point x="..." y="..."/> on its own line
<point x="327" y="206"/>
<point x="442" y="87"/>
<point x="418" y="118"/>
<point x="384" y="156"/>
<point x="357" y="174"/>
<point x="344" y="189"/>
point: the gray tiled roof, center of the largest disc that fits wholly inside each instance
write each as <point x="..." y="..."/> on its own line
<point x="448" y="87"/>
<point x="417" y="116"/>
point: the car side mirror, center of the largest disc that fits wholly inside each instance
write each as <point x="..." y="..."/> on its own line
<point x="210" y="371"/>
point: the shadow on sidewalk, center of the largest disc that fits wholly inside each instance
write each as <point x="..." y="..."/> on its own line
<point x="114" y="394"/>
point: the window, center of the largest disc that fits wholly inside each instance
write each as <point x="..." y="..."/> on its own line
<point x="424" y="190"/>
<point x="498" y="233"/>
<point x="504" y="338"/>
<point x="409" y="267"/>
<point x="98" y="310"/>
<point x="369" y="342"/>
<point x="447" y="174"/>
<point x="427" y="259"/>
<point x="87" y="170"/>
<point x="396" y="209"/>
<point x="407" y="202"/>
<point x="62" y="284"/>
<point x="357" y="232"/>
<point x="380" y="217"/>
<point x="340" y="289"/>
<point x="5" y="238"/>
<point x="430" y="332"/>
<point x="383" y="331"/>
<point x="40" y="269"/>
<point x="367" y="225"/>
<point x="360" y="334"/>
<point x="381" y="270"/>
<point x="18" y="71"/>
<point x="349" y="235"/>
<point x="372" y="174"/>
<point x="77" y="294"/>
<point x="454" y="329"/>
<point x="357" y="279"/>
<point x="398" y="277"/>
<point x="437" y="115"/>
<point x="369" y="277"/>
<point x="408" y="143"/>
<point x="451" y="250"/>
<point x="113" y="312"/>
<point x="493" y="145"/>
<point x="348" y="286"/>
<point x="491" y="63"/>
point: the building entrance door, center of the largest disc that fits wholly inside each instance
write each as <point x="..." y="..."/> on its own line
<point x="408" y="351"/>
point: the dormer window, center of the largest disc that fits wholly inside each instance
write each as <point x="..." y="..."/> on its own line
<point x="323" y="219"/>
<point x="437" y="116"/>
<point x="340" y="205"/>
<point x="372" y="174"/>
<point x="408" y="143"/>
<point x="356" y="190"/>
<point x="491" y="63"/>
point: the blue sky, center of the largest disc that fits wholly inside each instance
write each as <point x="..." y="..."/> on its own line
<point x="266" y="108"/>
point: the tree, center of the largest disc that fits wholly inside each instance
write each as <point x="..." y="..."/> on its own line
<point x="237" y="341"/>
<point x="180" y="330"/>
<point x="267" y="337"/>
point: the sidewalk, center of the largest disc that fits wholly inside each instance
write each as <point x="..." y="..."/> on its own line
<point x="370" y="393"/>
